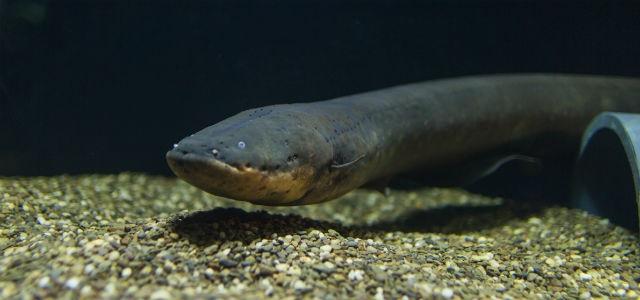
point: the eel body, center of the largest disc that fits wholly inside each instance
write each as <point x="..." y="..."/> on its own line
<point x="294" y="154"/>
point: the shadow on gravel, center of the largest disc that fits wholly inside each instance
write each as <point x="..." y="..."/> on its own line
<point x="459" y="220"/>
<point x="233" y="224"/>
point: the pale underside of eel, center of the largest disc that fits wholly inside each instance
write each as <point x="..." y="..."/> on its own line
<point x="303" y="153"/>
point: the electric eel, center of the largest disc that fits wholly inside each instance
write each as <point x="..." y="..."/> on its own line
<point x="304" y="153"/>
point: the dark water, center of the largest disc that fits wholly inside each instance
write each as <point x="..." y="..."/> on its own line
<point x="100" y="87"/>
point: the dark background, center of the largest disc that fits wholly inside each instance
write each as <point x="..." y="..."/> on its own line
<point x="102" y="87"/>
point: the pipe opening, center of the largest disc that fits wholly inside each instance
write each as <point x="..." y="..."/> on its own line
<point x="604" y="183"/>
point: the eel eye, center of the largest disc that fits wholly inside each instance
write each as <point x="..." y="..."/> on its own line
<point x="215" y="152"/>
<point x="241" y="145"/>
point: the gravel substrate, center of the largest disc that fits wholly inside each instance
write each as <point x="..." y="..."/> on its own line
<point x="133" y="236"/>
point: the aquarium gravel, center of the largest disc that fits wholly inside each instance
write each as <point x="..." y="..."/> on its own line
<point x="134" y="236"/>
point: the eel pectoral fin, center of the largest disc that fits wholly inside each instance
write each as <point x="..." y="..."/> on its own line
<point x="344" y="165"/>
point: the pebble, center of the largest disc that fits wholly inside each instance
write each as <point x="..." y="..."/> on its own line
<point x="282" y="267"/>
<point x="90" y="270"/>
<point x="113" y="255"/>
<point x="482" y="257"/>
<point x="585" y="277"/>
<point x="352" y="243"/>
<point x="355" y="275"/>
<point x="379" y="294"/>
<point x="228" y="263"/>
<point x="72" y="283"/>
<point x="126" y="272"/>
<point x="379" y="274"/>
<point x="160" y="295"/>
<point x="326" y="248"/>
<point x="44" y="282"/>
<point x="447" y="293"/>
<point x="300" y="286"/>
<point x="326" y="267"/>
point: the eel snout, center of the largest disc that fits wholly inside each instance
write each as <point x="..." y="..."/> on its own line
<point x="239" y="182"/>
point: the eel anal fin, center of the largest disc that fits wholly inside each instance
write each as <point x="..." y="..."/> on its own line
<point x="484" y="168"/>
<point x="381" y="185"/>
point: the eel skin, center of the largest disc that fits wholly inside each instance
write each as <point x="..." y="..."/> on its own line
<point x="303" y="153"/>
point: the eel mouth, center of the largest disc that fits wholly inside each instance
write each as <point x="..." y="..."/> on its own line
<point x="273" y="188"/>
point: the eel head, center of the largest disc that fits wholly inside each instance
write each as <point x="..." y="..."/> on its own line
<point x="267" y="156"/>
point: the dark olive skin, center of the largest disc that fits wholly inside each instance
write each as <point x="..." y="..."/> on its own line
<point x="306" y="153"/>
